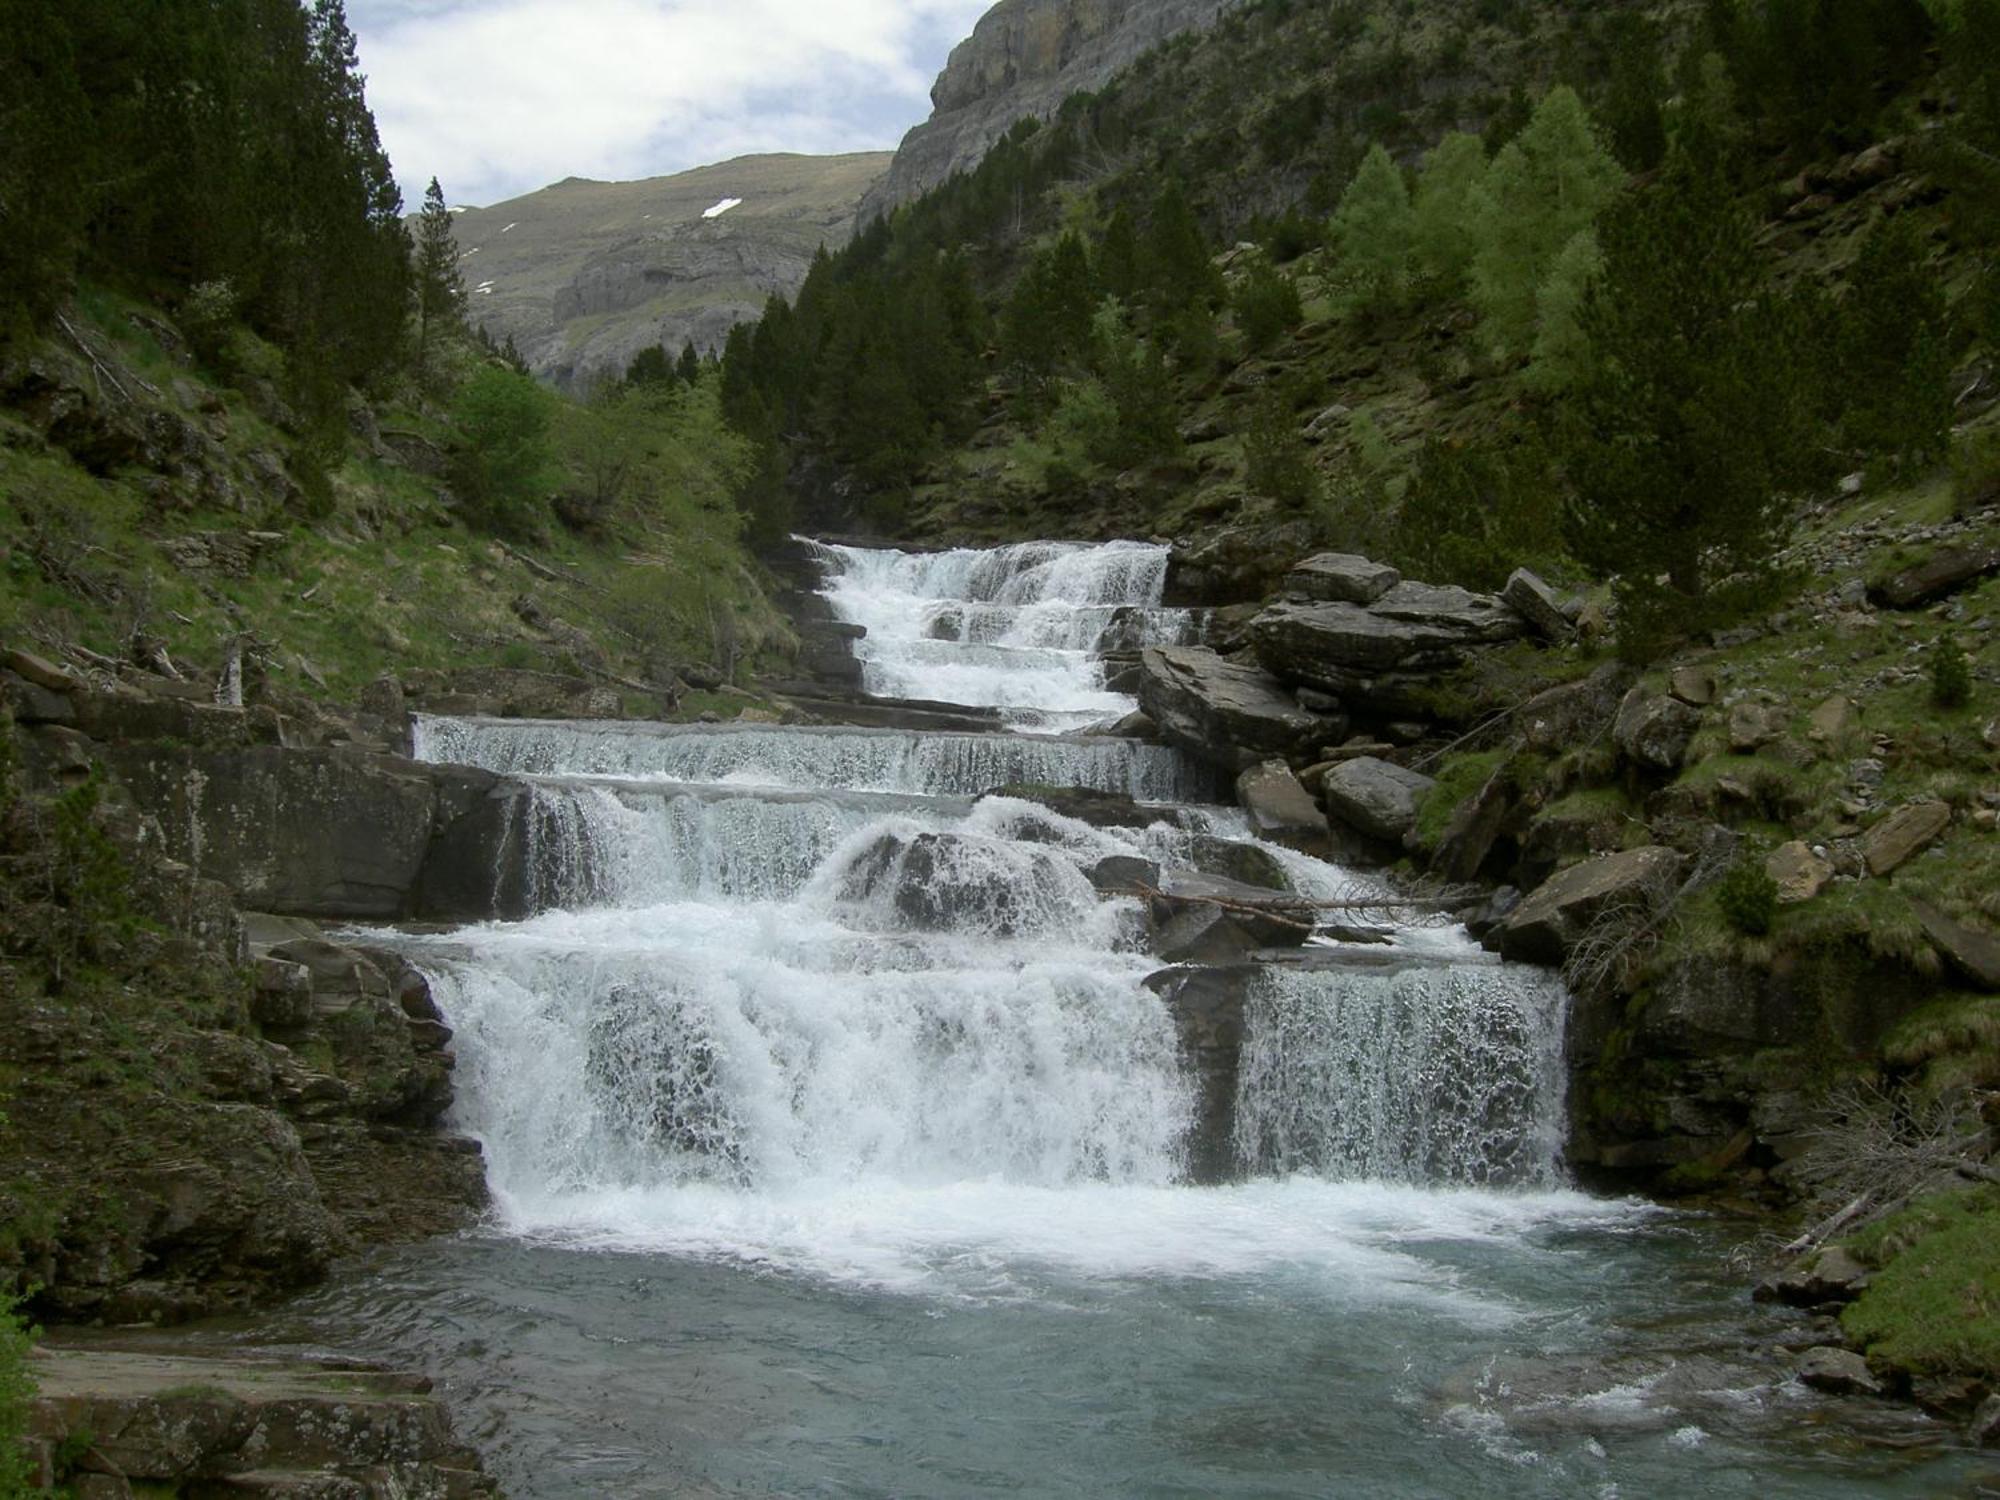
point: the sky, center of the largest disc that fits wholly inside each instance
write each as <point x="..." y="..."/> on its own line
<point x="499" y="97"/>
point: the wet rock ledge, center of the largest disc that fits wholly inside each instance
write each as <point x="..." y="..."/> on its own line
<point x="111" y="1424"/>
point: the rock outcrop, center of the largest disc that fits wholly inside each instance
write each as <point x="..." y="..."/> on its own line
<point x="1022" y="60"/>
<point x="1377" y="660"/>
<point x="1226" y="712"/>
<point x="116" y="1423"/>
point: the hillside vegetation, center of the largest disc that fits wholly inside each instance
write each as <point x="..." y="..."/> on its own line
<point x="240" y="410"/>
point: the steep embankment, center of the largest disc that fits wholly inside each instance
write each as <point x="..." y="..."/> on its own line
<point x="583" y="275"/>
<point x="1023" y="59"/>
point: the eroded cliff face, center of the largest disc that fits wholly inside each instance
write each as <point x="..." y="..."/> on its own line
<point x="583" y="275"/>
<point x="1024" y="58"/>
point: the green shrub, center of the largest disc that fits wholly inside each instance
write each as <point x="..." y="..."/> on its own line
<point x="506" y="469"/>
<point x="16" y="1388"/>
<point x="1975" y="469"/>
<point x="1748" y="897"/>
<point x="1267" y="306"/>
<point x="1275" y="462"/>
<point x="1951" y="674"/>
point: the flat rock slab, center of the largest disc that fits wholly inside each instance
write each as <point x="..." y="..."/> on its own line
<point x="179" y="1419"/>
<point x="1554" y="918"/>
<point x="1975" y="955"/>
<point x="1213" y="707"/>
<point x="1280" y="808"/>
<point x="1902" y="835"/>
<point x="1537" y="603"/>
<point x="1934" y="578"/>
<point x="1342" y="576"/>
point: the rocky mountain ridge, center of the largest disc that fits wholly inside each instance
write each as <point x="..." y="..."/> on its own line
<point x="582" y="275"/>
<point x="1023" y="59"/>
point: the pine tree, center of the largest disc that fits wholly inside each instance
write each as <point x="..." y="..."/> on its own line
<point x="1634" y="112"/>
<point x="440" y="292"/>
<point x="1442" y="224"/>
<point x="1677" y="439"/>
<point x="1893" y="347"/>
<point x="1561" y="352"/>
<point x="689" y="365"/>
<point x="1543" y="188"/>
<point x="1119" y="271"/>
<point x="1179" y="269"/>
<point x="1372" y="230"/>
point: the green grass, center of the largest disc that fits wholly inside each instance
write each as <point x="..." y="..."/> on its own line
<point x="1459" y="779"/>
<point x="1933" y="1306"/>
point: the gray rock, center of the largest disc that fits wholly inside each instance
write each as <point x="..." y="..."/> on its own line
<point x="1538" y="604"/>
<point x="1829" y="1275"/>
<point x="1341" y="576"/>
<point x="1984" y="1430"/>
<point x="1840" y="1372"/>
<point x="1753" y="726"/>
<point x="1653" y="729"/>
<point x="1550" y="922"/>
<point x="1974" y="955"/>
<point x="1346" y="649"/>
<point x="1692" y="685"/>
<point x="1933" y="579"/>
<point x="1375" y="797"/>
<point x="1124" y="874"/>
<point x="1280" y="809"/>
<point x="1892" y="842"/>
<point x="1213" y="707"/>
<point x="1800" y="874"/>
<point x="1270" y="918"/>
<point x="1205" y="935"/>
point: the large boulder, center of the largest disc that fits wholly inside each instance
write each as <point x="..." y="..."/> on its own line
<point x="1341" y="576"/>
<point x="1224" y="711"/>
<point x="1280" y="809"/>
<point x="1551" y="921"/>
<point x="1936" y="577"/>
<point x="1375" y="797"/>
<point x="1654" y="729"/>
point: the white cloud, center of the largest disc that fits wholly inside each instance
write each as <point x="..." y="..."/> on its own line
<point x="499" y="97"/>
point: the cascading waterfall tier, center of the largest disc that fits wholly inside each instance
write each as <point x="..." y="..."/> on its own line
<point x="1019" y="628"/>
<point x="765" y="961"/>
<point x="1448" y="1073"/>
<point x="873" y="760"/>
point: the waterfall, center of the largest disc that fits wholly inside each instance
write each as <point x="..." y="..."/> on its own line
<point x="1443" y="1073"/>
<point x="769" y="961"/>
<point x="1017" y="628"/>
<point x="876" y="760"/>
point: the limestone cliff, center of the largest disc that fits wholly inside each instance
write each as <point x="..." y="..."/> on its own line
<point x="583" y="275"/>
<point x="1024" y="58"/>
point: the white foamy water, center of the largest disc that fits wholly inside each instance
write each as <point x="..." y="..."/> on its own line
<point x="809" y="996"/>
<point x="1016" y="628"/>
